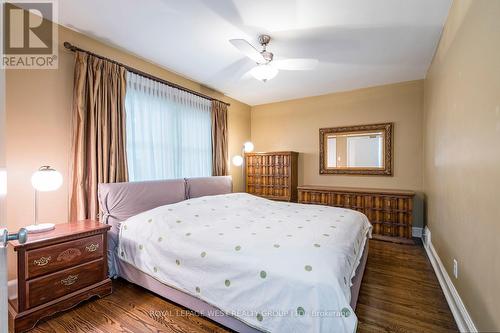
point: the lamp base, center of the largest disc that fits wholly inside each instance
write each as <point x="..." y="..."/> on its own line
<point x="42" y="227"/>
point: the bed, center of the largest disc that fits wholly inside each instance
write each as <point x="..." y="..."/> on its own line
<point x="248" y="263"/>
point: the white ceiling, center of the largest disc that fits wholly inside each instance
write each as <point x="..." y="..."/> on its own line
<point x="359" y="43"/>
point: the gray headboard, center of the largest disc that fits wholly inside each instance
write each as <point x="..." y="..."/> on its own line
<point x="202" y="186"/>
<point x="119" y="201"/>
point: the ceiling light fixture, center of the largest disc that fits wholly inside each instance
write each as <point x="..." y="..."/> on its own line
<point x="264" y="72"/>
<point x="267" y="68"/>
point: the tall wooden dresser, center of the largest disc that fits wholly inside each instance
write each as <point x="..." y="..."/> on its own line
<point x="389" y="211"/>
<point x="272" y="175"/>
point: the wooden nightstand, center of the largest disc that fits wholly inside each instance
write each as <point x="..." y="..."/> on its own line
<point x="58" y="269"/>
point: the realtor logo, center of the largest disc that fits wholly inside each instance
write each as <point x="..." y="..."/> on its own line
<point x="29" y="36"/>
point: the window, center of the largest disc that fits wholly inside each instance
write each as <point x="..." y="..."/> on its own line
<point x="168" y="131"/>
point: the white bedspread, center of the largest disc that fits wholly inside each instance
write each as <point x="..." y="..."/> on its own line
<point x="279" y="267"/>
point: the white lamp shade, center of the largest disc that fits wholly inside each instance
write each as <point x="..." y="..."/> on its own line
<point x="248" y="147"/>
<point x="46" y="179"/>
<point x="264" y="72"/>
<point x="237" y="160"/>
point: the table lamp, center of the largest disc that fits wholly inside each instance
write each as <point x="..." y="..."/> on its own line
<point x="44" y="179"/>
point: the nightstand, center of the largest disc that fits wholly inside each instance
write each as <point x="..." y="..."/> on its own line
<point x="58" y="269"/>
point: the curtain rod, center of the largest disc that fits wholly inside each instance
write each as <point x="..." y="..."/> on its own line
<point x="73" y="48"/>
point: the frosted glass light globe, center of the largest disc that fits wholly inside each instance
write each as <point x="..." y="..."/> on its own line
<point x="264" y="72"/>
<point x="46" y="179"/>
<point x="237" y="160"/>
<point x="248" y="147"/>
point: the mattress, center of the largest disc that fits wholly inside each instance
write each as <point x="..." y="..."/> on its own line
<point x="273" y="266"/>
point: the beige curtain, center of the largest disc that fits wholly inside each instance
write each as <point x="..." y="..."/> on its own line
<point x="219" y="139"/>
<point x="99" y="132"/>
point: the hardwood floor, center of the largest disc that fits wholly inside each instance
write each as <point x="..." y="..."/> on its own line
<point x="400" y="293"/>
<point x="128" y="309"/>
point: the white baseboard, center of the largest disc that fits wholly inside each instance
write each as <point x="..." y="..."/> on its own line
<point x="457" y="307"/>
<point x="417" y="232"/>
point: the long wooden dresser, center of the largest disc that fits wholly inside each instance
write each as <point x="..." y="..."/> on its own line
<point x="389" y="211"/>
<point x="272" y="175"/>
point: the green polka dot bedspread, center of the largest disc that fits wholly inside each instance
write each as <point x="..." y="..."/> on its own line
<point x="277" y="266"/>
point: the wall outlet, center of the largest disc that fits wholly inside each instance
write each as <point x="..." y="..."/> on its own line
<point x="455" y="268"/>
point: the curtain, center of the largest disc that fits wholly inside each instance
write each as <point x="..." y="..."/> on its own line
<point x="168" y="131"/>
<point x="98" y="146"/>
<point x="219" y="139"/>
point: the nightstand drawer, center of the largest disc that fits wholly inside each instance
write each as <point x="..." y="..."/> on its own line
<point x="60" y="256"/>
<point x="47" y="288"/>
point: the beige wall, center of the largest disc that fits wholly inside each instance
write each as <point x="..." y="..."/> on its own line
<point x="294" y="125"/>
<point x="38" y="127"/>
<point x="462" y="155"/>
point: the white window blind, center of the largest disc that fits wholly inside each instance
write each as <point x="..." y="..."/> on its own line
<point x="168" y="131"/>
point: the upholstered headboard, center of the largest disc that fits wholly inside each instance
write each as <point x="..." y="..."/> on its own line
<point x="202" y="186"/>
<point x="119" y="201"/>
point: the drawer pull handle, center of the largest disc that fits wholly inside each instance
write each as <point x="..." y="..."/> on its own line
<point x="69" y="280"/>
<point x="92" y="247"/>
<point x="42" y="261"/>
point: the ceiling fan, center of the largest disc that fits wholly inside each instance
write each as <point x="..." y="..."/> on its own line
<point x="267" y="68"/>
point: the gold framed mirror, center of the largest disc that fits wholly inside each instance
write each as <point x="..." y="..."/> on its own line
<point x="356" y="150"/>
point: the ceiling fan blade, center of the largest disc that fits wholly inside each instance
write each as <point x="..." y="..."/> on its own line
<point x="298" y="64"/>
<point x="247" y="75"/>
<point x="247" y="49"/>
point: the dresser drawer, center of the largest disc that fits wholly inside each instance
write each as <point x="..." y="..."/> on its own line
<point x="60" y="256"/>
<point x="44" y="289"/>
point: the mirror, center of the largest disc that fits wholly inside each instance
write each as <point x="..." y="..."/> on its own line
<point x="361" y="150"/>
